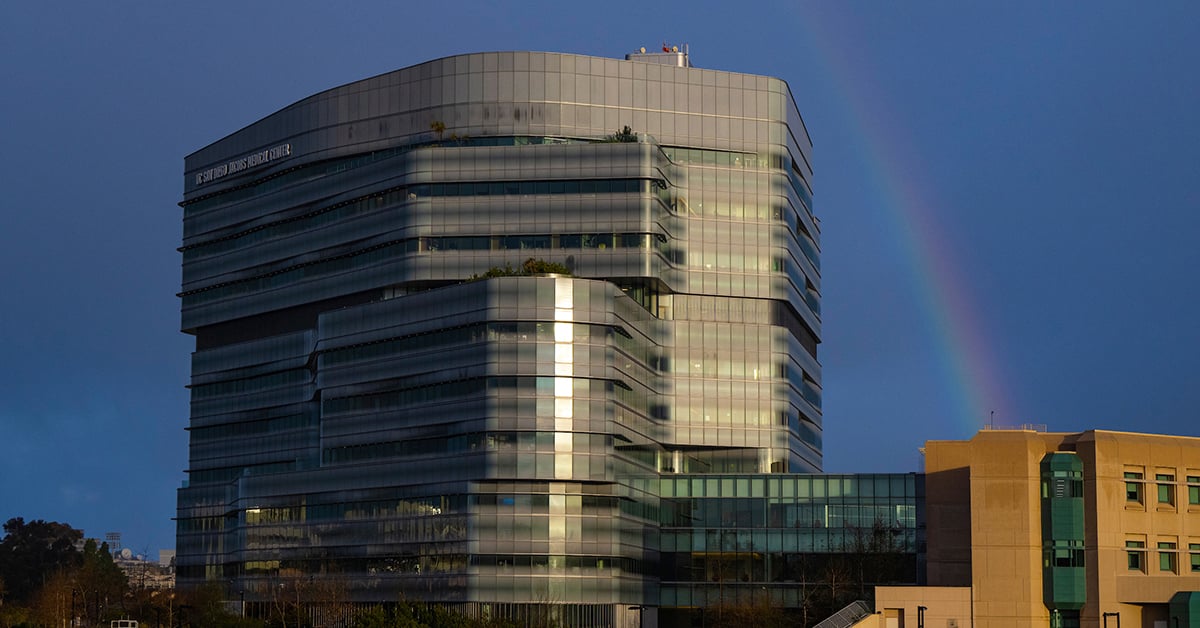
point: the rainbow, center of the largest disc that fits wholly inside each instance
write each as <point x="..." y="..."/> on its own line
<point x="906" y="200"/>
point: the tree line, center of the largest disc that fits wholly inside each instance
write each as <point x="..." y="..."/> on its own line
<point x="50" y="577"/>
<point x="49" y="572"/>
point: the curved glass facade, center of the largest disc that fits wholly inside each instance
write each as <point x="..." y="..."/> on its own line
<point x="365" y="408"/>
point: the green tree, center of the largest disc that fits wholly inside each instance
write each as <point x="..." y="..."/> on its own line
<point x="205" y="607"/>
<point x="542" y="267"/>
<point x="531" y="266"/>
<point x="624" y="135"/>
<point x="12" y="616"/>
<point x="101" y="581"/>
<point x="744" y="613"/>
<point x="418" y="615"/>
<point x="152" y="607"/>
<point x="51" y="604"/>
<point x="32" y="553"/>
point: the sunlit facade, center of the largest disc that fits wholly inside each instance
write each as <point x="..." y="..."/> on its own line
<point x="1028" y="529"/>
<point x="371" y="405"/>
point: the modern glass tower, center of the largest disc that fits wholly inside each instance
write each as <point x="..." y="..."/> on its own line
<point x="454" y="322"/>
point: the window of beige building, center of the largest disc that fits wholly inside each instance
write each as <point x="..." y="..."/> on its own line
<point x="1168" y="557"/>
<point x="1136" y="552"/>
<point x="1133" y="486"/>
<point x="1166" y="488"/>
<point x="1193" y="490"/>
<point x="1194" y="556"/>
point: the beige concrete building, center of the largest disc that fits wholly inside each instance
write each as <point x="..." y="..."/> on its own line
<point x="897" y="607"/>
<point x="1093" y="529"/>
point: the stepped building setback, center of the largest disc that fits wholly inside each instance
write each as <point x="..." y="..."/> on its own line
<point x="470" y="331"/>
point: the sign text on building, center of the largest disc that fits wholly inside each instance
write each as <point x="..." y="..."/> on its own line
<point x="253" y="160"/>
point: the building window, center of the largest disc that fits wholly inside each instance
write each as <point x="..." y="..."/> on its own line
<point x="1193" y="490"/>
<point x="1166" y="488"/>
<point x="1166" y="557"/>
<point x="1133" y="487"/>
<point x="1063" y="554"/>
<point x="1194" y="555"/>
<point x="1136" y="552"/>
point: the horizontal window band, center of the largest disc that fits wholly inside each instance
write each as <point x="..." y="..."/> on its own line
<point x="403" y="194"/>
<point x="397" y="248"/>
<point x="475" y="442"/>
<point x="316" y="170"/>
<point x="403" y="398"/>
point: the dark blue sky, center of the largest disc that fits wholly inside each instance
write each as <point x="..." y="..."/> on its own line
<point x="1008" y="195"/>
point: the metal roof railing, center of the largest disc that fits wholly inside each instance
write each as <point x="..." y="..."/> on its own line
<point x="846" y="617"/>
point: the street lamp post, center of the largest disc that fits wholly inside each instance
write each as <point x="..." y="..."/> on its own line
<point x="283" y="604"/>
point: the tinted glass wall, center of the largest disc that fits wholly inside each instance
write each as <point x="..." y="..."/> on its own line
<point x="362" y="409"/>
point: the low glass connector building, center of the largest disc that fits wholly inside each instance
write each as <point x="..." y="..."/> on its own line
<point x="806" y="544"/>
<point x="454" y="322"/>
